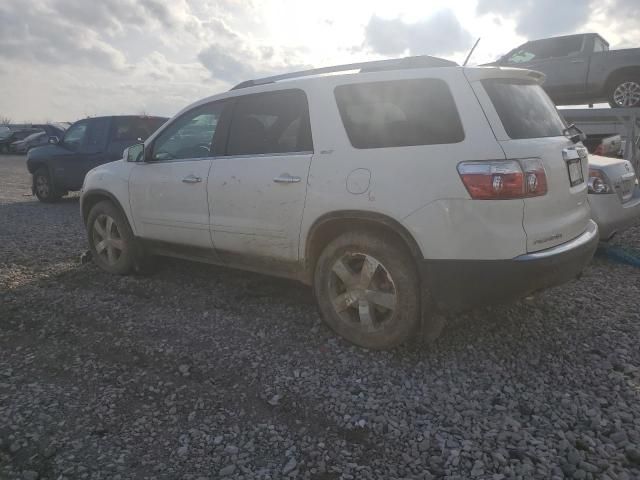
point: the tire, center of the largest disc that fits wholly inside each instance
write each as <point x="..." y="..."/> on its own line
<point x="378" y="310"/>
<point x="4" y="149"/>
<point x="44" y="188"/>
<point x="625" y="92"/>
<point x="111" y="240"/>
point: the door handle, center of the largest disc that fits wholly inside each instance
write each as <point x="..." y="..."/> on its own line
<point x="286" y="178"/>
<point x="577" y="61"/>
<point x="191" y="179"/>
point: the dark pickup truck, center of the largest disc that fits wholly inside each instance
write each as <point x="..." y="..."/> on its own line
<point x="61" y="166"/>
<point x="580" y="69"/>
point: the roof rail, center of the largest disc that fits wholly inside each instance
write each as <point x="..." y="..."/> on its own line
<point x="420" y="61"/>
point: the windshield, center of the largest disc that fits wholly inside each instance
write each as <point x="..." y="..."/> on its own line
<point x="525" y="110"/>
<point x="5" y="132"/>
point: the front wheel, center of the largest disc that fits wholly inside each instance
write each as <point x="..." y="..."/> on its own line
<point x="44" y="188"/>
<point x="625" y="93"/>
<point x="367" y="288"/>
<point x="110" y="239"/>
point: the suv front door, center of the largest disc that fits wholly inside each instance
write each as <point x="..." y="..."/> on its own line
<point x="168" y="192"/>
<point x="257" y="189"/>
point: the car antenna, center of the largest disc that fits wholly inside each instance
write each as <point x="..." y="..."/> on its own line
<point x="472" y="49"/>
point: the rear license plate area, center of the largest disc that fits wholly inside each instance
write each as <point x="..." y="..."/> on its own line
<point x="574" y="166"/>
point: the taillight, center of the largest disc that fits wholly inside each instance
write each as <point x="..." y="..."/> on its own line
<point x="504" y="179"/>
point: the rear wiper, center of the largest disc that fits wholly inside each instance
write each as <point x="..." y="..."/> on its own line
<point x="574" y="134"/>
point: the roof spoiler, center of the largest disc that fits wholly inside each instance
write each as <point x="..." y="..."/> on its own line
<point x="421" y="61"/>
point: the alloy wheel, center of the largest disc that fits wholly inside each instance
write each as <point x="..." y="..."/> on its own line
<point x="362" y="292"/>
<point x="627" y="94"/>
<point x="107" y="239"/>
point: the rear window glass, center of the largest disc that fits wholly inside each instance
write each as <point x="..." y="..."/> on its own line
<point x="524" y="109"/>
<point x="399" y="113"/>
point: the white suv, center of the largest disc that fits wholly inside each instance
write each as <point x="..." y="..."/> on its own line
<point x="409" y="187"/>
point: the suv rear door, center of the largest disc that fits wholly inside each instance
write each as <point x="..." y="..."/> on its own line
<point x="527" y="125"/>
<point x="257" y="190"/>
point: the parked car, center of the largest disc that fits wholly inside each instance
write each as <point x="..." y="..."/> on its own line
<point x="614" y="195"/>
<point x="34" y="140"/>
<point x="60" y="167"/>
<point x="39" y="138"/>
<point x="13" y="136"/>
<point x="580" y="69"/>
<point x="393" y="191"/>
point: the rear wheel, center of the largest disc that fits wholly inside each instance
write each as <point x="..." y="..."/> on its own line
<point x="625" y="92"/>
<point x="368" y="290"/>
<point x="110" y="239"/>
<point x="44" y="187"/>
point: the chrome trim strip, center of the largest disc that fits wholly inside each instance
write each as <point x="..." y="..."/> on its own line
<point x="285" y="154"/>
<point x="219" y="157"/>
<point x="587" y="237"/>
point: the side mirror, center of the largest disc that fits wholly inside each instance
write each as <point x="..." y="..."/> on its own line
<point x="54" y="140"/>
<point x="135" y="153"/>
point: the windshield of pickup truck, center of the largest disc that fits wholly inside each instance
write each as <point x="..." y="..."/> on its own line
<point x="525" y="110"/>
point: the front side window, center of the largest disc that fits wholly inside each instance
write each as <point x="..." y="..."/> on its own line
<point x="270" y="123"/>
<point x="545" y="49"/>
<point x="75" y="135"/>
<point x="399" y="113"/>
<point x="525" y="110"/>
<point x="190" y="135"/>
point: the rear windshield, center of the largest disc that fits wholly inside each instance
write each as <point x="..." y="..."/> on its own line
<point x="399" y="113"/>
<point x="524" y="108"/>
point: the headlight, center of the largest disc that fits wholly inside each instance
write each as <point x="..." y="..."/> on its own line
<point x="598" y="182"/>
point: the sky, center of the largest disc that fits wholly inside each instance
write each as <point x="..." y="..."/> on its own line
<point x="62" y="60"/>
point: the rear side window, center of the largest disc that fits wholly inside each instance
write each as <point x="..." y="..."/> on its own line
<point x="134" y="129"/>
<point x="525" y="110"/>
<point x="274" y="122"/>
<point x="399" y="113"/>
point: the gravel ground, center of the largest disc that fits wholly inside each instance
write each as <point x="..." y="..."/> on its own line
<point x="199" y="373"/>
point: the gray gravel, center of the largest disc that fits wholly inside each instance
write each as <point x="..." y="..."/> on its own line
<point x="199" y="373"/>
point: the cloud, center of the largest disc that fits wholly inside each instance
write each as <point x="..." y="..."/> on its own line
<point x="226" y="67"/>
<point x="540" y="18"/>
<point x="440" y="34"/>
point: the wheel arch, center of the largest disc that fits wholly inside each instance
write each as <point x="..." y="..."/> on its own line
<point x="621" y="73"/>
<point x="92" y="197"/>
<point x="330" y="225"/>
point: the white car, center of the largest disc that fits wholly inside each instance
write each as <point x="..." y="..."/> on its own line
<point x="614" y="195"/>
<point x="412" y="186"/>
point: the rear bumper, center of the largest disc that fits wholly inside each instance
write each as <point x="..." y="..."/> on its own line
<point x="612" y="216"/>
<point x="457" y="285"/>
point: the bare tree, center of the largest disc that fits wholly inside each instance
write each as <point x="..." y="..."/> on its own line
<point x="5" y="120"/>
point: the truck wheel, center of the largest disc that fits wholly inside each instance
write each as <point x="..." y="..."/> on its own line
<point x="110" y="239"/>
<point x="368" y="290"/>
<point x="625" y="92"/>
<point x="44" y="188"/>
